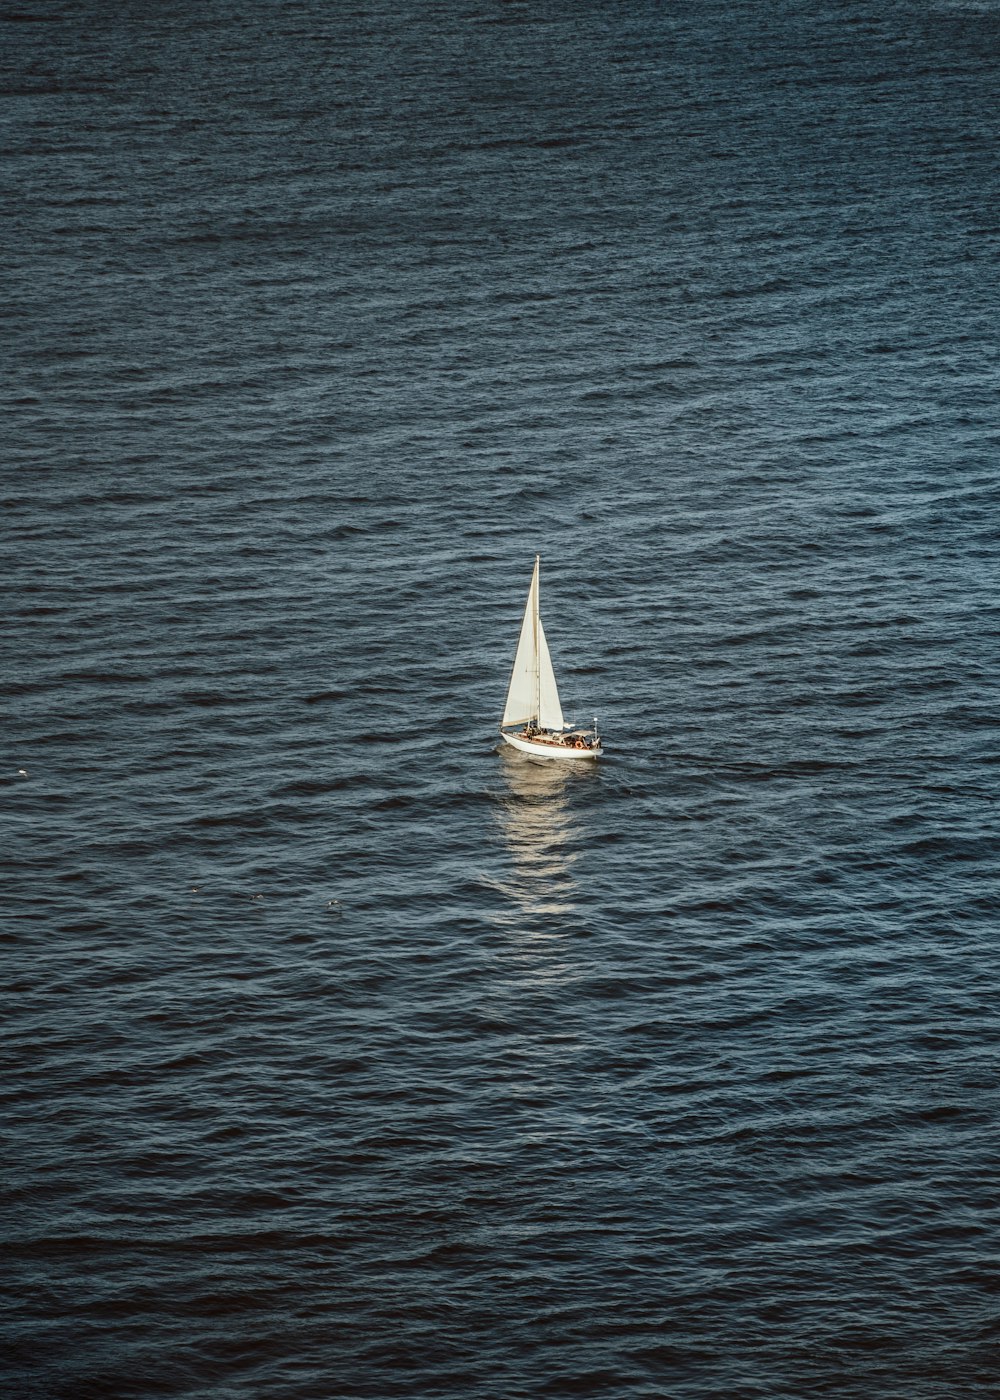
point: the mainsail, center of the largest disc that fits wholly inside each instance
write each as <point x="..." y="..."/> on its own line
<point x="550" y="715"/>
<point x="532" y="694"/>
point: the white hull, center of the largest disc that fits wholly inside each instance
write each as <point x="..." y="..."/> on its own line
<point x="537" y="750"/>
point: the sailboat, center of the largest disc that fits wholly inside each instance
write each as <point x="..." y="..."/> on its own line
<point x="532" y="717"/>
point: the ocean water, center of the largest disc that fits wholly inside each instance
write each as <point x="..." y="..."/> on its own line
<point x="346" y="1055"/>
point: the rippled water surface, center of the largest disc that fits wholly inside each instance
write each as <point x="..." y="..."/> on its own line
<point x="347" y="1056"/>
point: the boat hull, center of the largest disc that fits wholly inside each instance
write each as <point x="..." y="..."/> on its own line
<point x="550" y="751"/>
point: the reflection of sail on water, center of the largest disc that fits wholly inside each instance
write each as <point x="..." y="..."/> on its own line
<point x="539" y="832"/>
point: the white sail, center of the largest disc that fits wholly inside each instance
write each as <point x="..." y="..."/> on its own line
<point x="550" y="715"/>
<point x="522" y="694"/>
<point x="532" y="694"/>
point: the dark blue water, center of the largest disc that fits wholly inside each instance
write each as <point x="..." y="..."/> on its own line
<point x="344" y="1055"/>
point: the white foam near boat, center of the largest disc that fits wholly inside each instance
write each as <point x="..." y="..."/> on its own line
<point x="533" y="718"/>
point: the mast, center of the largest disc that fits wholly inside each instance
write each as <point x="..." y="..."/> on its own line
<point x="534" y="633"/>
